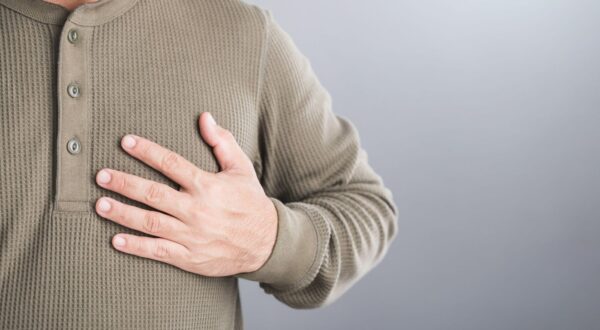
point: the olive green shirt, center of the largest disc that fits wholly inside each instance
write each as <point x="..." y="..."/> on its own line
<point x="72" y="84"/>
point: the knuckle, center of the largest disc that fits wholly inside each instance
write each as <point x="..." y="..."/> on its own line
<point x="198" y="179"/>
<point x="227" y="135"/>
<point x="214" y="189"/>
<point x="146" y="149"/>
<point x="155" y="193"/>
<point x="152" y="222"/>
<point x="121" y="213"/>
<point x="137" y="244"/>
<point x="161" y="251"/>
<point x="197" y="214"/>
<point x="120" y="182"/>
<point x="170" y="161"/>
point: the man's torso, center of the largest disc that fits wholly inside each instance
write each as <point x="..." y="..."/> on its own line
<point x="150" y="71"/>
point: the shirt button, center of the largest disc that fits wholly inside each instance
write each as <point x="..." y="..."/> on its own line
<point x="74" y="146"/>
<point x="73" y="90"/>
<point x="72" y="36"/>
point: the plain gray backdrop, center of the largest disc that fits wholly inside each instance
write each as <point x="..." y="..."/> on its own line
<point x="483" y="119"/>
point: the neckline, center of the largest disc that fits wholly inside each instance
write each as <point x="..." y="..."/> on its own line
<point x="87" y="14"/>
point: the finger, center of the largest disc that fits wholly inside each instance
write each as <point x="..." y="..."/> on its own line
<point x="159" y="249"/>
<point x="149" y="222"/>
<point x="228" y="152"/>
<point x="151" y="193"/>
<point x="168" y="162"/>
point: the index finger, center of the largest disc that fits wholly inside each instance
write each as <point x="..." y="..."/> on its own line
<point x="168" y="162"/>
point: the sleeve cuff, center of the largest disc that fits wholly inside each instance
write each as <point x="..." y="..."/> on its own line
<point x="294" y="251"/>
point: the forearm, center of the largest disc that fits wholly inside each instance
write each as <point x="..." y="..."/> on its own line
<point x="354" y="223"/>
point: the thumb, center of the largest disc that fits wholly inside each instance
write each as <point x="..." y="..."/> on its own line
<point x="229" y="154"/>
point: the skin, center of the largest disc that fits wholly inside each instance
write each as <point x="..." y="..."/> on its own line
<point x="70" y="4"/>
<point x="216" y="224"/>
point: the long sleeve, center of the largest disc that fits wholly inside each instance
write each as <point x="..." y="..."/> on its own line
<point x="336" y="218"/>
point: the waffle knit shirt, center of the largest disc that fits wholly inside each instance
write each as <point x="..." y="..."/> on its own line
<point x="72" y="84"/>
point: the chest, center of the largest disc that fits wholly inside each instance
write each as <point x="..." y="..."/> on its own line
<point x="128" y="80"/>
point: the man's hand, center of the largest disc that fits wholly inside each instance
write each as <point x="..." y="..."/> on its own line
<point x="216" y="224"/>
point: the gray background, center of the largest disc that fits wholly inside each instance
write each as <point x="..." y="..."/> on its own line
<point x="482" y="117"/>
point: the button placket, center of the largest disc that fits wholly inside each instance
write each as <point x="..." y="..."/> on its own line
<point x="72" y="180"/>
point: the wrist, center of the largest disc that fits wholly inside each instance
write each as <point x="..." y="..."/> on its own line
<point x="263" y="249"/>
<point x="294" y="252"/>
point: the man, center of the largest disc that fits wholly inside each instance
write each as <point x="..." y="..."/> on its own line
<point x="117" y="211"/>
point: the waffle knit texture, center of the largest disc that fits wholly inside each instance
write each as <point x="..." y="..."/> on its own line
<point x="151" y="68"/>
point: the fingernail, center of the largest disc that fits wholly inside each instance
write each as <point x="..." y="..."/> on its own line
<point x="103" y="205"/>
<point x="103" y="177"/>
<point x="128" y="141"/>
<point x="211" y="120"/>
<point x="119" y="241"/>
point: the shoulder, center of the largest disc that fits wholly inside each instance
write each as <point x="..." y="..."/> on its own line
<point x="230" y="14"/>
<point x="235" y="23"/>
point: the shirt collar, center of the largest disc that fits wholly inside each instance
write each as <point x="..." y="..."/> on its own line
<point x="88" y="14"/>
